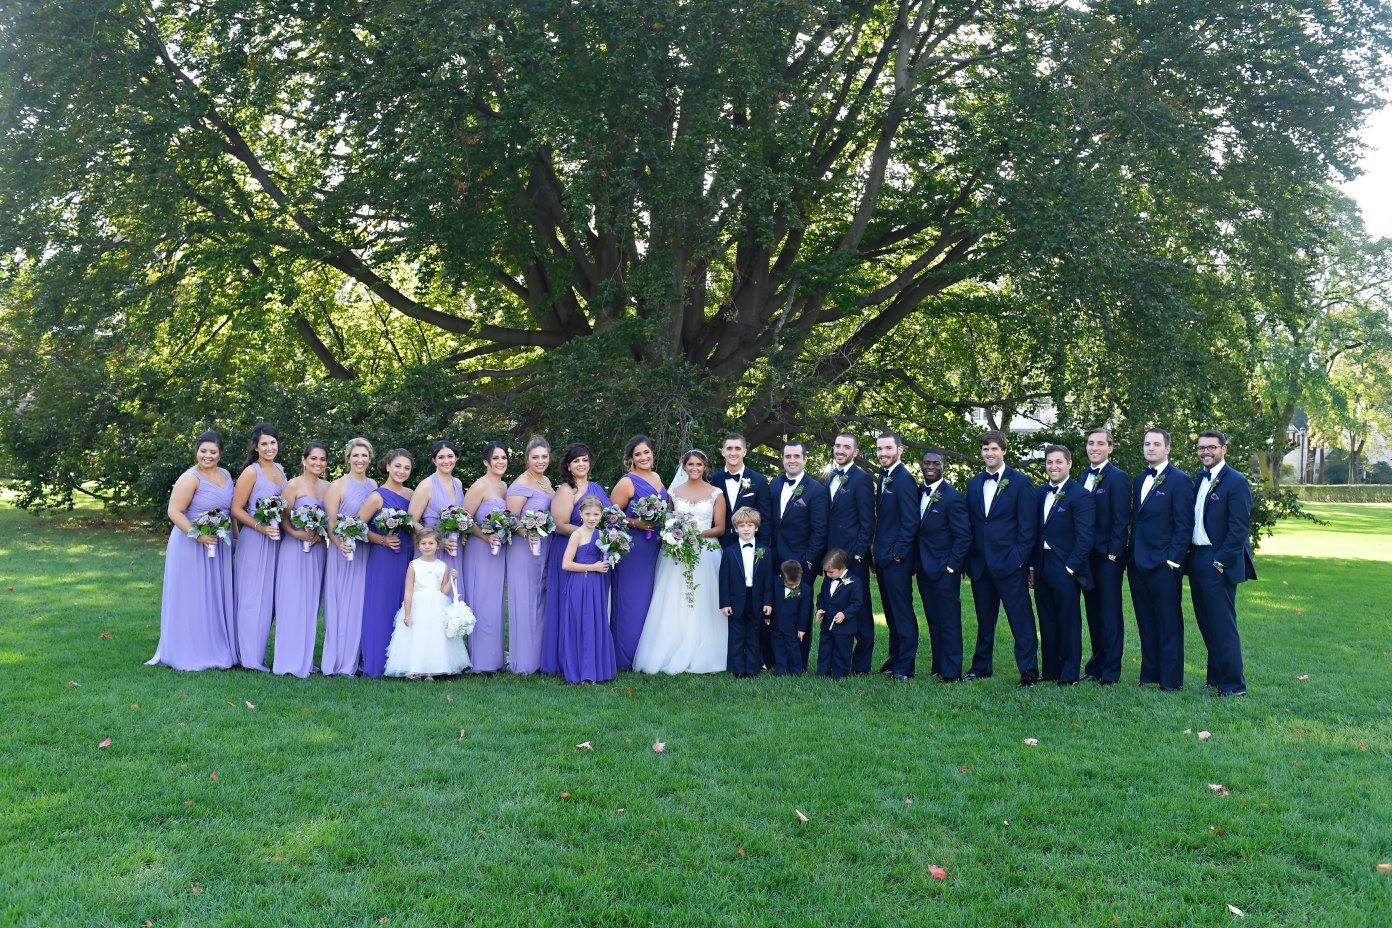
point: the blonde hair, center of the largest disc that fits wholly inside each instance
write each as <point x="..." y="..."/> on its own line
<point x="746" y="514"/>
<point x="358" y="443"/>
<point x="423" y="533"/>
<point x="590" y="501"/>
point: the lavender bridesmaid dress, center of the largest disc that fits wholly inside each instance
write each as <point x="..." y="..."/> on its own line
<point x="633" y="581"/>
<point x="585" y="643"/>
<point x="196" y="615"/>
<point x="299" y="587"/>
<point x="526" y="573"/>
<point x="484" y="573"/>
<point x="343" y="592"/>
<point x="255" y="579"/>
<point x="384" y="589"/>
<point x="439" y="499"/>
<point x="556" y="579"/>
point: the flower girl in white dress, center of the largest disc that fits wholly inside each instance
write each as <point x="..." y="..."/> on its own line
<point x="419" y="646"/>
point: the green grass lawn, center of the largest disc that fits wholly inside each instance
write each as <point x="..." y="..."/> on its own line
<point x="357" y="802"/>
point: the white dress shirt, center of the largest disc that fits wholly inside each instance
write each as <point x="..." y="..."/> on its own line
<point x="923" y="500"/>
<point x="1093" y="478"/>
<point x="732" y="489"/>
<point x="787" y="492"/>
<point x="789" y="591"/>
<point x="837" y="481"/>
<point x="747" y="551"/>
<point x="988" y="490"/>
<point x="831" y="590"/>
<point x="1150" y="481"/>
<point x="1200" y="499"/>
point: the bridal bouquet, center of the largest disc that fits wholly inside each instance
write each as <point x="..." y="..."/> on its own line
<point x="682" y="542"/>
<point x="351" y="530"/>
<point x="310" y="518"/>
<point x="391" y="521"/>
<point x="454" y="522"/>
<point x="536" y="524"/>
<point x="651" y="510"/>
<point x="499" y="525"/>
<point x="269" y="511"/>
<point x="213" y="522"/>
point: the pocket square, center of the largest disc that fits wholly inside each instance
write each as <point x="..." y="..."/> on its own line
<point x="800" y="502"/>
<point x="1214" y="497"/>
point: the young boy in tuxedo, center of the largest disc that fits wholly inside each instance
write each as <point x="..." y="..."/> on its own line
<point x="745" y="585"/>
<point x="837" y="607"/>
<point x="791" y="620"/>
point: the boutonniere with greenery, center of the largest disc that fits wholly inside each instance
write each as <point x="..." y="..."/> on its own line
<point x="934" y="497"/>
<point x="1005" y="482"/>
<point x="845" y="578"/>
<point x="759" y="552"/>
<point x="791" y="592"/>
<point x="797" y="491"/>
<point x="1213" y="482"/>
<point x="1158" y="480"/>
<point x="1058" y="496"/>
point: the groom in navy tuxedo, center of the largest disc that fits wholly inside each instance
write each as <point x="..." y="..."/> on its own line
<point x="1005" y="523"/>
<point x="850" y="527"/>
<point x="1220" y="559"/>
<point x="742" y="487"/>
<point x="896" y="553"/>
<point x="799" y="531"/>
<point x="944" y="540"/>
<point x="1111" y="493"/>
<point x="1162" y="523"/>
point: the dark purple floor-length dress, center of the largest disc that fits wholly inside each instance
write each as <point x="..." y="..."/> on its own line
<point x="383" y="591"/>
<point x="585" y="644"/>
<point x="633" y="581"/>
<point x="556" y="580"/>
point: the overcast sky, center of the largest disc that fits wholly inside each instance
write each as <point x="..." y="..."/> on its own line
<point x="1373" y="190"/>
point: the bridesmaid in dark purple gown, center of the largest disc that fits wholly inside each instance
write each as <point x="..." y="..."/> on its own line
<point x="196" y="631"/>
<point x="585" y="643"/>
<point x="633" y="578"/>
<point x="257" y="547"/>
<point x="576" y="461"/>
<point x="485" y="564"/>
<point x="385" y="586"/>
<point x="434" y="493"/>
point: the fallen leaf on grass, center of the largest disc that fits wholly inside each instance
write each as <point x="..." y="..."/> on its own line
<point x="276" y="857"/>
<point x="9" y="589"/>
<point x="1188" y="731"/>
<point x="630" y="692"/>
<point x="1032" y="742"/>
<point x="195" y="889"/>
<point x="1205" y="735"/>
<point x="213" y="776"/>
<point x="1005" y="822"/>
<point x="189" y="803"/>
<point x="1216" y="830"/>
<point x="908" y="801"/>
<point x="1385" y="867"/>
<point x="461" y="734"/>
<point x="1303" y="678"/>
<point x="1297" y="612"/>
<point x="565" y="795"/>
<point x="965" y="768"/>
<point x="73" y="683"/>
<point x="1218" y="788"/>
<point x="106" y="743"/>
<point x="659" y="746"/>
<point x="584" y="746"/>
<point x="936" y="872"/>
<point x="741" y="852"/>
<point x="1362" y="745"/>
<point x="449" y="698"/>
<point x="135" y="705"/>
<point x="1236" y="911"/>
<point x="249" y="705"/>
<point x="801" y="817"/>
<point x="148" y="924"/>
<point x="382" y="920"/>
<point x="106" y="634"/>
<point x="620" y="809"/>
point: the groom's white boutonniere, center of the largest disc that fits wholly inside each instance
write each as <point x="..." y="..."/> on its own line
<point x="745" y="483"/>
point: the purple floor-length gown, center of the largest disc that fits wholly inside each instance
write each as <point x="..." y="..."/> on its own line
<point x="343" y="592"/>
<point x="585" y="644"/>
<point x="299" y="588"/>
<point x="526" y="574"/>
<point x="484" y="575"/>
<point x="384" y="589"/>
<point x="556" y="580"/>
<point x="196" y="614"/>
<point x="633" y="581"/>
<point x="255" y="579"/>
<point x="439" y="499"/>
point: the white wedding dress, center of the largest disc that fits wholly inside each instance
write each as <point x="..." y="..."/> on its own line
<point x="679" y="637"/>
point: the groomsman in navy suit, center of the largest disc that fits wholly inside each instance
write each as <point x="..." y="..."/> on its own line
<point x="1005" y="523"/>
<point x="944" y="540"/>
<point x="1111" y="492"/>
<point x="896" y="553"/>
<point x="742" y="486"/>
<point x="850" y="527"/>
<point x="1220" y="559"/>
<point x="1060" y="568"/>
<point x="800" y="506"/>
<point x="1162" y="523"/>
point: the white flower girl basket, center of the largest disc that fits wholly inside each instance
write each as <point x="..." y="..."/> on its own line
<point x="459" y="618"/>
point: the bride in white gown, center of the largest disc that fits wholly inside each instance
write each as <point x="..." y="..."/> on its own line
<point x="680" y="636"/>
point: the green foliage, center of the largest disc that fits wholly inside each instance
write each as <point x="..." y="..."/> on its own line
<point x="1343" y="492"/>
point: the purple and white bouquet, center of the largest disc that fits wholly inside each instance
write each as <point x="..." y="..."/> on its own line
<point x="350" y="530"/>
<point x="498" y="527"/>
<point x="651" y="510"/>
<point x="682" y="542"/>
<point x="269" y="510"/>
<point x="214" y="522"/>
<point x="454" y="522"/>
<point x="614" y="542"/>
<point x="391" y="521"/>
<point x="535" y="524"/>
<point x="310" y="518"/>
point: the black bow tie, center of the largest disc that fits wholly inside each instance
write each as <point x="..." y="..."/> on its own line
<point x="1094" y="472"/>
<point x="1054" y="489"/>
<point x="927" y="489"/>
<point x="1211" y="473"/>
<point x="884" y="471"/>
<point x="1151" y="472"/>
<point x="750" y="545"/>
<point x="991" y="476"/>
<point x="838" y="472"/>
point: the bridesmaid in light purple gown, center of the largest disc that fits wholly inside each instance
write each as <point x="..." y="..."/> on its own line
<point x="299" y="583"/>
<point x="255" y="567"/>
<point x="196" y="630"/>
<point x="576" y="461"/>
<point x="526" y="570"/>
<point x="433" y="494"/>
<point x="343" y="578"/>
<point x="485" y="566"/>
<point x="585" y="643"/>
<point x="634" y="576"/>
<point x="384" y="587"/>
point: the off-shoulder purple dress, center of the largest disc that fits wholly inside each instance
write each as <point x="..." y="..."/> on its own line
<point x="384" y="589"/>
<point x="633" y="581"/>
<point x="196" y="614"/>
<point x="484" y="576"/>
<point x="343" y="591"/>
<point x="254" y="576"/>
<point x="299" y="589"/>
<point x="526" y="576"/>
<point x="556" y="580"/>
<point x="439" y="499"/>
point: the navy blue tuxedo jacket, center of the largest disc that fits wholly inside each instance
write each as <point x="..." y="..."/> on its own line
<point x="733" y="592"/>
<point x="944" y="532"/>
<point x="756" y="498"/>
<point x="848" y="597"/>
<point x="1227" y="520"/>
<point x="1068" y="530"/>
<point x="800" y="533"/>
<point x="896" y="516"/>
<point x="795" y="614"/>
<point x="1112" y="521"/>
<point x="851" y="518"/>
<point x="1162" y="525"/>
<point x="1002" y="542"/>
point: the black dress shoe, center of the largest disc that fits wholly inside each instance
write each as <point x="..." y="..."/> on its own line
<point x="1224" y="693"/>
<point x="1093" y="677"/>
<point x="1106" y="683"/>
<point x="973" y="675"/>
<point x="898" y="676"/>
<point x="1028" y="681"/>
<point x="1169" y="689"/>
<point x="1067" y="682"/>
